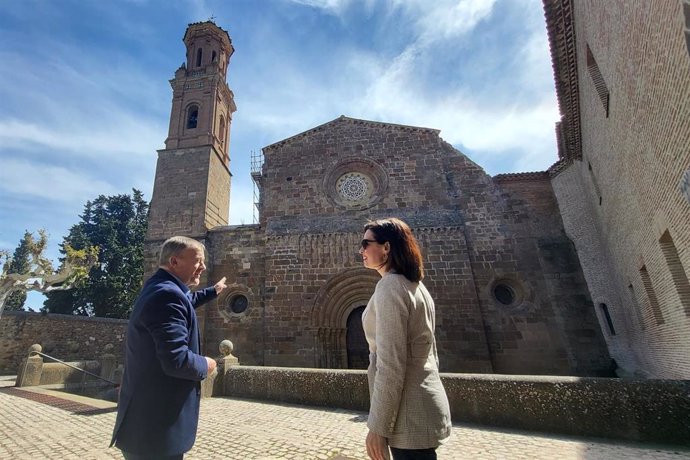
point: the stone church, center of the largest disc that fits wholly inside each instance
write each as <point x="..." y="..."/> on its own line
<point x="509" y="289"/>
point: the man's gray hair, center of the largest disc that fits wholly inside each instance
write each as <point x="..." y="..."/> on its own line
<point x="174" y="246"/>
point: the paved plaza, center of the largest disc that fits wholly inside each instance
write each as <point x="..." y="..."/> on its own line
<point x="40" y="424"/>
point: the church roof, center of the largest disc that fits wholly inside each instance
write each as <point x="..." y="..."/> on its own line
<point x="355" y="121"/>
<point x="560" y="26"/>
<point x="522" y="176"/>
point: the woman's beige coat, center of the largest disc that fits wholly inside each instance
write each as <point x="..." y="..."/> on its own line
<point x="408" y="403"/>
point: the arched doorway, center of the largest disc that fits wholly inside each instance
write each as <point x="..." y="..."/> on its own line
<point x="357" y="347"/>
<point x="333" y="318"/>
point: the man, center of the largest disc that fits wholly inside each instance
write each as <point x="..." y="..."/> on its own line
<point x="158" y="409"/>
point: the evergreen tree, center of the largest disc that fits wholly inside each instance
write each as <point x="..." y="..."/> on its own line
<point x="20" y="264"/>
<point x="116" y="225"/>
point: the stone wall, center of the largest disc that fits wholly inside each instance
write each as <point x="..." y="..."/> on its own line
<point x="302" y="275"/>
<point x="655" y="411"/>
<point x="68" y="338"/>
<point x="623" y="201"/>
<point x="528" y="250"/>
<point x="182" y="195"/>
<point x="236" y="252"/>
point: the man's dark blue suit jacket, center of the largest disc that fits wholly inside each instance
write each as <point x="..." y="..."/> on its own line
<point x="158" y="408"/>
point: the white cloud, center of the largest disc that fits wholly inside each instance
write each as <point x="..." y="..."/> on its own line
<point x="334" y="7"/>
<point x="444" y="20"/>
<point x="511" y="118"/>
<point x="96" y="138"/>
<point x="438" y="19"/>
<point x="87" y="107"/>
<point x="50" y="183"/>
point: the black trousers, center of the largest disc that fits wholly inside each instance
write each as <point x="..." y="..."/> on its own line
<point x="413" y="454"/>
<point x="130" y="456"/>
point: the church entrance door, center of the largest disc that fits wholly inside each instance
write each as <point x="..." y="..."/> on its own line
<point x="357" y="347"/>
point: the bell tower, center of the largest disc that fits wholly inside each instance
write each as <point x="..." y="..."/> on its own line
<point x="191" y="192"/>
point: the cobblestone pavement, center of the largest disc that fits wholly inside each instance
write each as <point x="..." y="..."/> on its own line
<point x="45" y="426"/>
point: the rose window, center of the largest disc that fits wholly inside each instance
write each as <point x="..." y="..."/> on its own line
<point x="355" y="183"/>
<point x="353" y="186"/>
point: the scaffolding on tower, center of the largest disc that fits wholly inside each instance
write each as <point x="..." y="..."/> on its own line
<point x="257" y="162"/>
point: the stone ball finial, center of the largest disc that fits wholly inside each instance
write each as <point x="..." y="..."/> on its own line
<point x="225" y="347"/>
<point x="35" y="348"/>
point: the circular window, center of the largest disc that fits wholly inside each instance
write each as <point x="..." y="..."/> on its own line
<point x="238" y="304"/>
<point x="504" y="294"/>
<point x="356" y="183"/>
<point x="508" y="292"/>
<point x="354" y="187"/>
<point x="233" y="303"/>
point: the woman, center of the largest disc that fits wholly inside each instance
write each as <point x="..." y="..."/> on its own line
<point x="409" y="407"/>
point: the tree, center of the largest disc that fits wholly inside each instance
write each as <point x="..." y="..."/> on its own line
<point x="116" y="225"/>
<point x="19" y="264"/>
<point x="38" y="274"/>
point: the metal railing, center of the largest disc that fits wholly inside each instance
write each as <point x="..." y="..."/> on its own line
<point x="116" y="385"/>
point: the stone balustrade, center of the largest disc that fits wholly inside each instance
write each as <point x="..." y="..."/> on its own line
<point x="655" y="411"/>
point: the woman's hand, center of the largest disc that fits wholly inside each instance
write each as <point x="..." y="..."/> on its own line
<point x="377" y="446"/>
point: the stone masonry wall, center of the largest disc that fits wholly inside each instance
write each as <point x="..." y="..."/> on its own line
<point x="297" y="273"/>
<point x="68" y="338"/>
<point x="633" y="161"/>
<point x="582" y="227"/>
<point x="178" y="205"/>
<point x="298" y="201"/>
<point x="294" y="170"/>
<point x="474" y="234"/>
<point x="294" y="274"/>
<point x="558" y="308"/>
<point x="460" y="328"/>
<point x="236" y="252"/>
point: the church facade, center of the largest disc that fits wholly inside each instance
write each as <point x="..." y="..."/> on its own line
<point x="510" y="293"/>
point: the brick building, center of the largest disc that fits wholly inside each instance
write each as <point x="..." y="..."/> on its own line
<point x="510" y="294"/>
<point x="622" y="181"/>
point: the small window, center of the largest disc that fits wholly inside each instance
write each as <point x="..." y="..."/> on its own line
<point x="636" y="307"/>
<point x="652" y="301"/>
<point x="680" y="279"/>
<point x="504" y="294"/>
<point x="686" y="14"/>
<point x="594" y="182"/>
<point x="192" y="117"/>
<point x="607" y="316"/>
<point x="238" y="304"/>
<point x="598" y="80"/>
<point x="508" y="292"/>
<point x="214" y="57"/>
<point x="221" y="134"/>
<point x="199" y="53"/>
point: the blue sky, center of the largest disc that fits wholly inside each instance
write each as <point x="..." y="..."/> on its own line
<point x="85" y="99"/>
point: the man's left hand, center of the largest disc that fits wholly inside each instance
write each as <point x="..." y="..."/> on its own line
<point x="220" y="285"/>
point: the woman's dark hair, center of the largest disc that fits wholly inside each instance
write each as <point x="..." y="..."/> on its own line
<point x="405" y="256"/>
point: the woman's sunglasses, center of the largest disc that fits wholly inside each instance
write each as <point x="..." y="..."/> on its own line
<point x="366" y="242"/>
